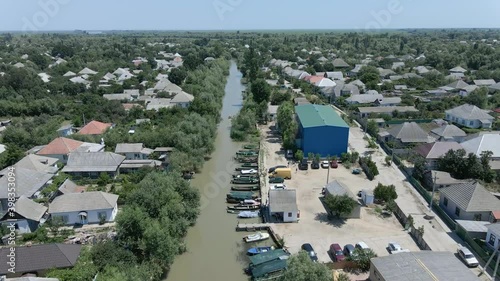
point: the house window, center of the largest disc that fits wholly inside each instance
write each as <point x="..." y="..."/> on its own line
<point x="477" y="217"/>
<point x="289" y="215"/>
<point x="137" y="155"/>
<point x="457" y="212"/>
<point x="471" y="123"/>
<point x="492" y="239"/>
<point x="445" y="201"/>
<point x="64" y="218"/>
<point x="65" y="157"/>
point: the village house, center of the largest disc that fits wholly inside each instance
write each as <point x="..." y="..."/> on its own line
<point x="84" y="208"/>
<point x="95" y="128"/>
<point x="469" y="201"/>
<point x="39" y="259"/>
<point x="365" y="112"/>
<point x="448" y="133"/>
<point x="26" y="216"/>
<point x="85" y="164"/>
<point x="283" y="205"/>
<point x="66" y="130"/>
<point x="60" y="148"/>
<point x="406" y="134"/>
<point x="133" y="151"/>
<point x="469" y="116"/>
<point x="431" y="152"/>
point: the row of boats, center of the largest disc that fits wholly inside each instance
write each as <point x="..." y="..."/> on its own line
<point x="244" y="196"/>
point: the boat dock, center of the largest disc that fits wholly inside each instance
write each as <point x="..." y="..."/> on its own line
<point x="251" y="227"/>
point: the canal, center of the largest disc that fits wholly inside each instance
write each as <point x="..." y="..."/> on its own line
<point x="215" y="251"/>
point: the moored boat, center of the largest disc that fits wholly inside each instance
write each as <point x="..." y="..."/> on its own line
<point x="248" y="214"/>
<point x="245" y="188"/>
<point x="241" y="207"/>
<point x="250" y="165"/>
<point x="259" y="250"/>
<point x="259" y="236"/>
<point x="245" y="181"/>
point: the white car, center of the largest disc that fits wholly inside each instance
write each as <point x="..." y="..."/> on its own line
<point x="467" y="256"/>
<point x="325" y="164"/>
<point x="278" y="186"/>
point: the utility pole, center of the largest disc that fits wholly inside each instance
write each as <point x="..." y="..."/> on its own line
<point x="328" y="174"/>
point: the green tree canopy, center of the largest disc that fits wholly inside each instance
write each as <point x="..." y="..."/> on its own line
<point x="301" y="268"/>
<point x="340" y="205"/>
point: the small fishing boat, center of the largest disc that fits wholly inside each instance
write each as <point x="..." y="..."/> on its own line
<point x="245" y="181"/>
<point x="259" y="236"/>
<point x="241" y="195"/>
<point x="244" y="176"/>
<point x="250" y="165"/>
<point x="259" y="250"/>
<point x="241" y="207"/>
<point x="251" y="146"/>
<point x="249" y="172"/>
<point x="247" y="159"/>
<point x="245" y="188"/>
<point x="248" y="214"/>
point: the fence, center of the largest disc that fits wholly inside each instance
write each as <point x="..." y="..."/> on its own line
<point x="403" y="219"/>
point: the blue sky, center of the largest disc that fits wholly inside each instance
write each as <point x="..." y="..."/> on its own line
<point x="42" y="15"/>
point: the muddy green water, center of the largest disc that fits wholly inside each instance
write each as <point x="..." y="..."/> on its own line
<point x="215" y="250"/>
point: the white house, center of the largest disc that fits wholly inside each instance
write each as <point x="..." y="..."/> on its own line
<point x="27" y="215"/>
<point x="283" y="205"/>
<point x="133" y="151"/>
<point x="85" y="208"/>
<point x="493" y="235"/>
<point x="469" y="116"/>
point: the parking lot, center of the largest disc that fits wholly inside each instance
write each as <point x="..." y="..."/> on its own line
<point x="314" y="226"/>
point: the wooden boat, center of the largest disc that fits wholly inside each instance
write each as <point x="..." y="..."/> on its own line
<point x="259" y="250"/>
<point x="251" y="146"/>
<point x="239" y="176"/>
<point x="247" y="153"/>
<point x="241" y="207"/>
<point x="247" y="160"/>
<point x="245" y="181"/>
<point x="245" y="188"/>
<point x="250" y="165"/>
<point x="241" y="195"/>
<point x="248" y="214"/>
<point x="259" y="236"/>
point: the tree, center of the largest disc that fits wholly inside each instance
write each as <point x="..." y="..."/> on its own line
<point x="343" y="277"/>
<point x="385" y="193"/>
<point x="478" y="98"/>
<point x="192" y="61"/>
<point x="369" y="74"/>
<point x="11" y="156"/>
<point x="340" y="205"/>
<point x="372" y="128"/>
<point x="487" y="174"/>
<point x="261" y="91"/>
<point x="362" y="257"/>
<point x="301" y="268"/>
<point x="285" y="116"/>
<point x="109" y="253"/>
<point x="177" y="76"/>
<point x="299" y="155"/>
<point x="310" y="156"/>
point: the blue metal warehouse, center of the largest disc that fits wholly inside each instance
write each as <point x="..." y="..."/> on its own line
<point x="321" y="130"/>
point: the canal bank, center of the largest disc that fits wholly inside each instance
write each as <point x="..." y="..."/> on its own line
<point x="215" y="251"/>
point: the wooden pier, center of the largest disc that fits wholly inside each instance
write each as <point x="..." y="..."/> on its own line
<point x="261" y="226"/>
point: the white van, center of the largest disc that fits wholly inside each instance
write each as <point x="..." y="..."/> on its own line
<point x="362" y="245"/>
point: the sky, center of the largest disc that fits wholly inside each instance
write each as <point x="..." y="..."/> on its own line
<point x="50" y="15"/>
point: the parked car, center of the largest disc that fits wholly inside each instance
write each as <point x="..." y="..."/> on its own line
<point x="309" y="249"/>
<point x="315" y="164"/>
<point x="303" y="165"/>
<point x="394" y="247"/>
<point x="336" y="252"/>
<point x="362" y="245"/>
<point x="276" y="180"/>
<point x="348" y="250"/>
<point x="278" y="186"/>
<point x="325" y="164"/>
<point x="334" y="164"/>
<point x="467" y="256"/>
<point x="272" y="169"/>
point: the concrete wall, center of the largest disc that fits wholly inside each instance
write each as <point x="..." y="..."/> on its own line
<point x="326" y="140"/>
<point x="374" y="274"/>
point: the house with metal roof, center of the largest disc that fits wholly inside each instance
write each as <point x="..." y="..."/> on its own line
<point x="182" y="99"/>
<point x="133" y="151"/>
<point x="38" y="259"/>
<point x="85" y="207"/>
<point x="27" y="215"/>
<point x="337" y="188"/>
<point x="340" y="63"/>
<point x="458" y="69"/>
<point x="482" y="143"/>
<point x="60" y="148"/>
<point x="283" y="205"/>
<point x="406" y="134"/>
<point x="448" y="132"/>
<point x="468" y="201"/>
<point x="84" y="164"/>
<point x="470" y="116"/>
<point x="422" y="266"/>
<point x="321" y="130"/>
<point x="484" y="82"/>
<point x="365" y="112"/>
<point x="431" y="152"/>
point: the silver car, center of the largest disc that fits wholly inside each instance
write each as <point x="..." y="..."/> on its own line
<point x="467" y="256"/>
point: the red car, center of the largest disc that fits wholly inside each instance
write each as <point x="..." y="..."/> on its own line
<point x="336" y="252"/>
<point x="334" y="164"/>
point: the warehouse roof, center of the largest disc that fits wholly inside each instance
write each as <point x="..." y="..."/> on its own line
<point x="313" y="115"/>
<point x="423" y="266"/>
